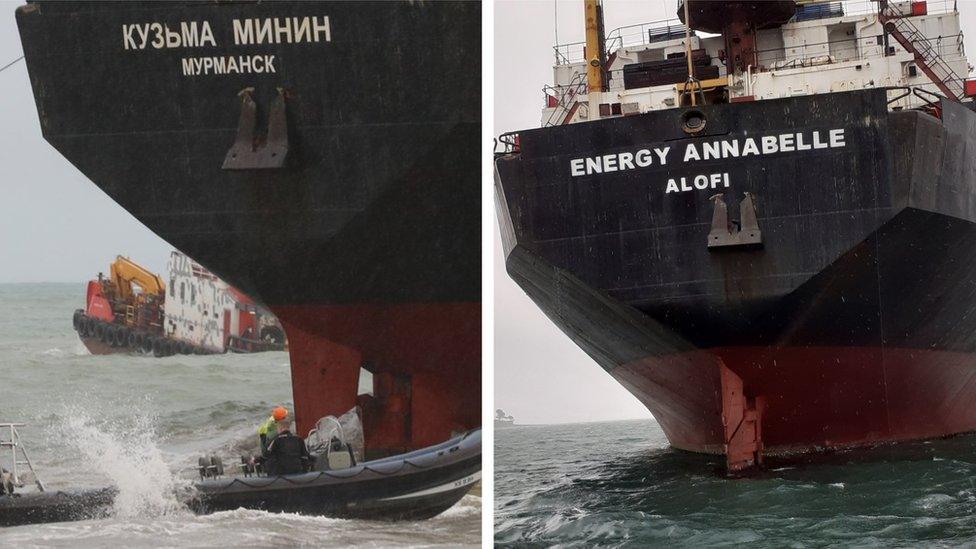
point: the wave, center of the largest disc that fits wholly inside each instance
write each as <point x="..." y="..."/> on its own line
<point x="131" y="459"/>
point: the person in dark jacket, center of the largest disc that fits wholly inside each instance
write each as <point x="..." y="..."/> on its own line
<point x="6" y="484"/>
<point x="286" y="453"/>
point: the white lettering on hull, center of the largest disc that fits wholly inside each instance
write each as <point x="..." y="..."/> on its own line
<point x="698" y="183"/>
<point x="722" y="149"/>
<point x="246" y="32"/>
<point x="241" y="64"/>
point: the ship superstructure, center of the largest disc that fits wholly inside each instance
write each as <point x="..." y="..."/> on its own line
<point x="786" y="50"/>
<point x="763" y="224"/>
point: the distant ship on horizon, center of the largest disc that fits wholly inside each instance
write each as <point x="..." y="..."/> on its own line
<point x="503" y="420"/>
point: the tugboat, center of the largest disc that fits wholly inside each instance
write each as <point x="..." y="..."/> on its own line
<point x="767" y="231"/>
<point x="134" y="311"/>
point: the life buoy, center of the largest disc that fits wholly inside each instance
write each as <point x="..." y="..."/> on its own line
<point x="131" y="340"/>
<point x="121" y="336"/>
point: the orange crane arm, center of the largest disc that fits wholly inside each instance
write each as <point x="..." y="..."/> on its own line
<point x="126" y="273"/>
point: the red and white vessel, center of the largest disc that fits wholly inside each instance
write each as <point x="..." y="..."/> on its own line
<point x="193" y="312"/>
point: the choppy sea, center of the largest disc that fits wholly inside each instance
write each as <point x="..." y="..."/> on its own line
<point x="619" y="484"/>
<point x="140" y="423"/>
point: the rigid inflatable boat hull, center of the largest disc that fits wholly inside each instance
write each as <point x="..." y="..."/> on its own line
<point x="413" y="486"/>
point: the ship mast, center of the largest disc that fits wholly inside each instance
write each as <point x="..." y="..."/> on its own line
<point x="691" y="67"/>
<point x="595" y="54"/>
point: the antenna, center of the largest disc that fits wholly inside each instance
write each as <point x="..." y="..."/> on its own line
<point x="555" y="21"/>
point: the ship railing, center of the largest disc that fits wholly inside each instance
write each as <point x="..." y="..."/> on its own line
<point x="950" y="48"/>
<point x="507" y="143"/>
<point x="650" y="32"/>
<point x="855" y="49"/>
<point x="870" y="7"/>
<point x="630" y="35"/>
<point x="646" y="33"/>
<point x="562" y="99"/>
<point x="19" y="459"/>
<point x="903" y="97"/>
<point x="929" y="58"/>
<point x="570" y="53"/>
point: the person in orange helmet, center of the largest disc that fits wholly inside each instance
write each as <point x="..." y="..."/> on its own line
<point x="268" y="430"/>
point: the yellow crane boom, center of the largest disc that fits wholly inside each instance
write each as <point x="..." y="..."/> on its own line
<point x="126" y="273"/>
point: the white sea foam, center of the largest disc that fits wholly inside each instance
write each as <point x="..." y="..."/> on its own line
<point x="130" y="458"/>
<point x="54" y="352"/>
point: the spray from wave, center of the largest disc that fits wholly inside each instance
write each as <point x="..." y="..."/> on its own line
<point x="130" y="458"/>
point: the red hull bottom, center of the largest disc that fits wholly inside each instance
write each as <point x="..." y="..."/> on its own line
<point x="96" y="347"/>
<point x="749" y="400"/>
<point x="426" y="365"/>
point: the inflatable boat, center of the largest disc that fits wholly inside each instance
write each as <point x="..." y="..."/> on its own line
<point x="413" y="486"/>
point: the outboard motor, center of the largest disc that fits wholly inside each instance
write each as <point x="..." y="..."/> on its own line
<point x="339" y="455"/>
<point x="252" y="466"/>
<point x="210" y="467"/>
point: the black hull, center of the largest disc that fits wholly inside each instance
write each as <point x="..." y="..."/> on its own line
<point x="852" y="323"/>
<point x="414" y="486"/>
<point x="35" y="508"/>
<point x="381" y="177"/>
<point x="372" y="218"/>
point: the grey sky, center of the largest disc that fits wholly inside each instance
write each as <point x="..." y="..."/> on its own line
<point x="540" y="375"/>
<point x="55" y="225"/>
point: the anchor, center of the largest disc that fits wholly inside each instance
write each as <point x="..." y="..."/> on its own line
<point x="250" y="152"/>
<point x="726" y="234"/>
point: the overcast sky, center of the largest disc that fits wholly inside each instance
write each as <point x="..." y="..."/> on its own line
<point x="540" y="375"/>
<point x="55" y="225"/>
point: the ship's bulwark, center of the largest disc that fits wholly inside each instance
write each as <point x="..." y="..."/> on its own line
<point x="852" y="324"/>
<point x="365" y="242"/>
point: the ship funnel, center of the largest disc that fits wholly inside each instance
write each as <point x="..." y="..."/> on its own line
<point x="738" y="22"/>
